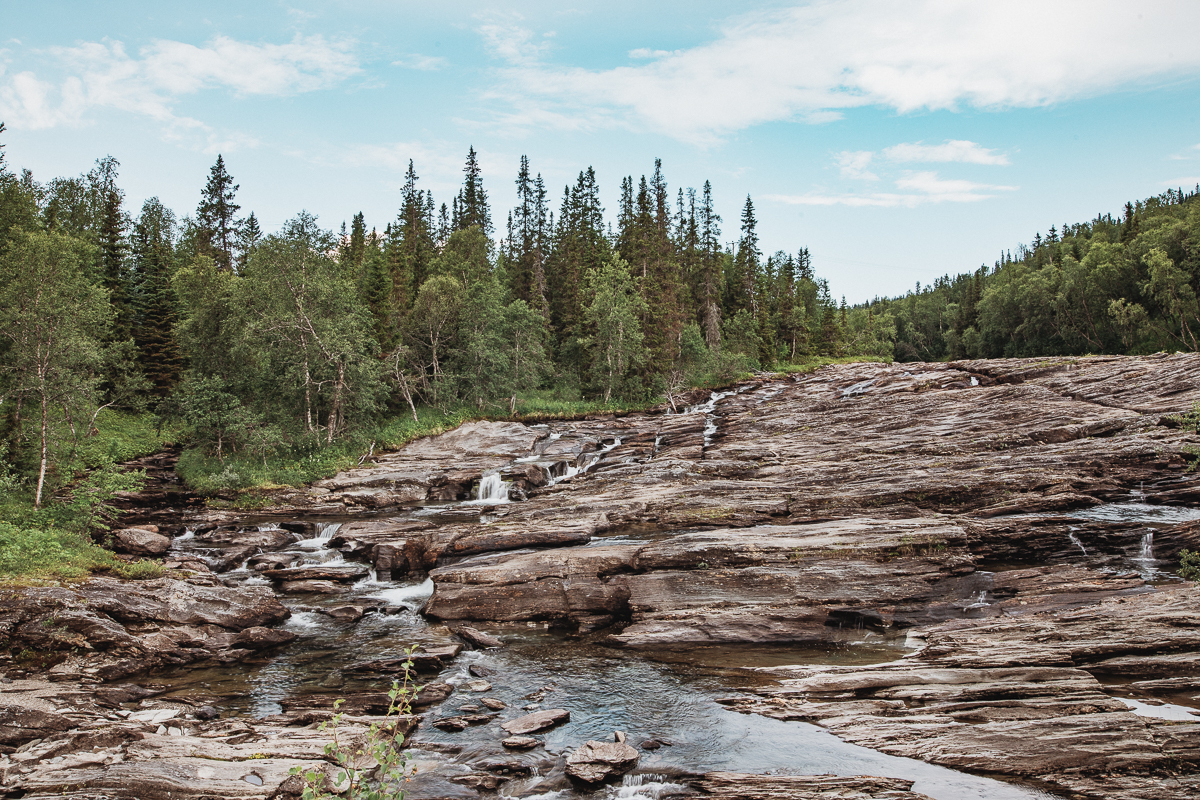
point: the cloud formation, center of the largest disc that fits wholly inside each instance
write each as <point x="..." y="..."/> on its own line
<point x="814" y="61"/>
<point x="916" y="189"/>
<point x="102" y="75"/>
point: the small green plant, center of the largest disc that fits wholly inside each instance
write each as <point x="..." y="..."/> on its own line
<point x="1189" y="565"/>
<point x="1190" y="422"/>
<point x="375" y="768"/>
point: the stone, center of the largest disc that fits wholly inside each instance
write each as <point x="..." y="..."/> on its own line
<point x="476" y="637"/>
<point x="260" y="638"/>
<point x="596" y="762"/>
<point x="140" y="542"/>
<point x="537" y="721"/>
<point x="478" y="686"/>
<point x="313" y="587"/>
<point x="346" y="613"/>
<point x="342" y="573"/>
<point x="19" y="725"/>
<point x="520" y="742"/>
<point x="493" y="703"/>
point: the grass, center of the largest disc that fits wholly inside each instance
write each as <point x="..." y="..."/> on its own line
<point x="32" y="556"/>
<point x="52" y="544"/>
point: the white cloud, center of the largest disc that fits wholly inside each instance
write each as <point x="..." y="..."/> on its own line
<point x="918" y="188"/>
<point x="817" y="59"/>
<point x="101" y="75"/>
<point x="423" y="63"/>
<point x="507" y="40"/>
<point x="854" y="163"/>
<point x="1187" y="184"/>
<point x="952" y="150"/>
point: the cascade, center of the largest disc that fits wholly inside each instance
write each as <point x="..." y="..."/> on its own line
<point x="1075" y="540"/>
<point x="492" y="489"/>
<point x="326" y="530"/>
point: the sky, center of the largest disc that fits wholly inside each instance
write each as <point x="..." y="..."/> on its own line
<point x="896" y="141"/>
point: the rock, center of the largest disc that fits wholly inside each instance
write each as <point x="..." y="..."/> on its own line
<point x="140" y="542"/>
<point x="346" y="613"/>
<point x="451" y="724"/>
<point x="342" y="573"/>
<point x="493" y="703"/>
<point x="476" y="637"/>
<point x="19" y="725"/>
<point x="537" y="721"/>
<point x="742" y="786"/>
<point x="596" y="762"/>
<point x="479" y="671"/>
<point x="313" y="587"/>
<point x="207" y="713"/>
<point x="478" y="686"/>
<point x="520" y="742"/>
<point x="260" y="638"/>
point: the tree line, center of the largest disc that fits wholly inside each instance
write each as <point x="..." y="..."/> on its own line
<point x="1125" y="284"/>
<point x="261" y="341"/>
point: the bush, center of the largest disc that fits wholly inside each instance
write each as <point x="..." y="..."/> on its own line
<point x="379" y="768"/>
<point x="1189" y="565"/>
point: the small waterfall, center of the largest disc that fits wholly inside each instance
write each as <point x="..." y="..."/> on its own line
<point x="1146" y="551"/>
<point x="326" y="530"/>
<point x="1075" y="540"/>
<point x="654" y="452"/>
<point x="974" y="381"/>
<point x="645" y="786"/>
<point x="492" y="489"/>
<point x="977" y="600"/>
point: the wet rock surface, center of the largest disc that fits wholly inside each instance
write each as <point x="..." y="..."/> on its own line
<point x="1011" y="520"/>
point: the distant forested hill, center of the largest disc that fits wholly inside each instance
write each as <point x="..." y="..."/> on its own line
<point x="1126" y="285"/>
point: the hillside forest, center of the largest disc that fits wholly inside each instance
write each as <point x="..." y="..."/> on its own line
<point x="259" y="347"/>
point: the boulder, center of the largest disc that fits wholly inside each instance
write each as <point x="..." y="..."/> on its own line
<point x="537" y="721"/>
<point x="260" y="638"/>
<point x="596" y="762"/>
<point x="140" y="542"/>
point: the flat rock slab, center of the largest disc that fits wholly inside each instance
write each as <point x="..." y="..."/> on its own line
<point x="742" y="786"/>
<point x="596" y="762"/>
<point x="520" y="742"/>
<point x="343" y="573"/>
<point x="537" y="721"/>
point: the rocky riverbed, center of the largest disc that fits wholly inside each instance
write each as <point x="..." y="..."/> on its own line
<point x="908" y="580"/>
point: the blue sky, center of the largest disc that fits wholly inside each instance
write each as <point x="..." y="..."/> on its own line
<point x="897" y="141"/>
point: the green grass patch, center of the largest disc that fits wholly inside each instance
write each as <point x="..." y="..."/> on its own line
<point x="41" y="555"/>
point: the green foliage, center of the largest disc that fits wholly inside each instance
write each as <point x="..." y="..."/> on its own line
<point x="615" y="340"/>
<point x="376" y="768"/>
<point x="49" y="554"/>
<point x="1103" y="286"/>
<point x="1189" y="565"/>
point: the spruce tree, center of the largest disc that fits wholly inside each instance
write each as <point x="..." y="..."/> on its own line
<point x="155" y="305"/>
<point x="472" y="201"/>
<point x="217" y="216"/>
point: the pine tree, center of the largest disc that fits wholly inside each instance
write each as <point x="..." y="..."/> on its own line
<point x="155" y="305"/>
<point x="249" y="235"/>
<point x="411" y="244"/>
<point x="472" y="205"/>
<point x="711" y="260"/>
<point x="743" y="283"/>
<point x="217" y="216"/>
<point x="110" y="235"/>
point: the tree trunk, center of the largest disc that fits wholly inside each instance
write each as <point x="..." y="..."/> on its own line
<point x="37" y="499"/>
